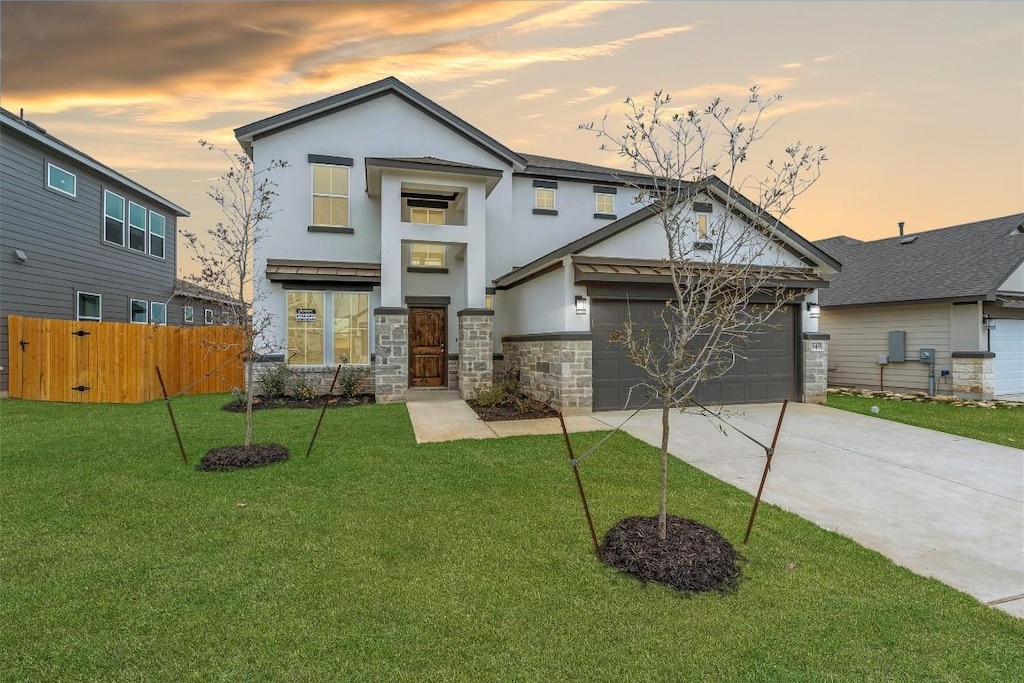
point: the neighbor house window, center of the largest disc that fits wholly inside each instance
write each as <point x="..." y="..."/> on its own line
<point x="158" y="313"/>
<point x="208" y="316"/>
<point x="330" y="195"/>
<point x="138" y="311"/>
<point x="426" y="255"/>
<point x="88" y="306"/>
<point x="136" y="227"/>
<point x="157" y="229"/>
<point x="428" y="216"/>
<point x="190" y="314"/>
<point x="544" y="198"/>
<point x="702" y="226"/>
<point x="604" y="203"/>
<point x="62" y="181"/>
<point x="351" y="328"/>
<point x="305" y="336"/>
<point x="113" y="218"/>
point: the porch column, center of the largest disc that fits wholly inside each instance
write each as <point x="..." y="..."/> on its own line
<point x="815" y="350"/>
<point x="476" y="351"/>
<point x="390" y="241"/>
<point x="391" y="367"/>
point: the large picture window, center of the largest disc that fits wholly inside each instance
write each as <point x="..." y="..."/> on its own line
<point x="113" y="218"/>
<point x="136" y="227"/>
<point x="326" y="328"/>
<point x="330" y="195"/>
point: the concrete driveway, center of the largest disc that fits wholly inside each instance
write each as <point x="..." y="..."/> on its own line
<point x="941" y="505"/>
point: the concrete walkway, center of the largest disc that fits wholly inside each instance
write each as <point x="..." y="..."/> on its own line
<point x="941" y="505"/>
<point x="440" y="415"/>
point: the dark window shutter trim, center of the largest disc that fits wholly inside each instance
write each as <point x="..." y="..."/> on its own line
<point x="334" y="161"/>
<point x="608" y="216"/>
<point x="605" y="189"/>
<point x="427" y="204"/>
<point x="702" y="207"/>
<point x="337" y="229"/>
<point x="546" y="212"/>
<point x="549" y="184"/>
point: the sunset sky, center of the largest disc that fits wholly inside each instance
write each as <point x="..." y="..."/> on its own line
<point x="920" y="105"/>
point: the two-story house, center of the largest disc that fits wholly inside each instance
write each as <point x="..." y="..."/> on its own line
<point x="80" y="241"/>
<point x="410" y="242"/>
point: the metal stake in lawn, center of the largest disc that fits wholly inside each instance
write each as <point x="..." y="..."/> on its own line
<point x="770" y="451"/>
<point x="579" y="485"/>
<point x="167" y="400"/>
<point x="327" y="398"/>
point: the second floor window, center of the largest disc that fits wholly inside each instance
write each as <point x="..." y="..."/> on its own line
<point x="113" y="218"/>
<point x="330" y="195"/>
<point x="428" y="216"/>
<point x="426" y="255"/>
<point x="544" y="198"/>
<point x="157" y="230"/>
<point x="62" y="181"/>
<point x="604" y="203"/>
<point x="136" y="227"/>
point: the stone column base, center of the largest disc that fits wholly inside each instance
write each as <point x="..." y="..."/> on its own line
<point x="391" y="369"/>
<point x="476" y="351"/>
<point x="815" y="350"/>
<point x="554" y="368"/>
<point x="974" y="374"/>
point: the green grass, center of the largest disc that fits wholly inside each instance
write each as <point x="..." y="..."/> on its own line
<point x="377" y="559"/>
<point x="997" y="425"/>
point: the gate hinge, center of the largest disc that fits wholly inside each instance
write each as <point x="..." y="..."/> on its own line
<point x="80" y="333"/>
<point x="81" y="387"/>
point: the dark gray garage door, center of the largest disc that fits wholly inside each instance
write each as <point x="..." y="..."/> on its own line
<point x="768" y="374"/>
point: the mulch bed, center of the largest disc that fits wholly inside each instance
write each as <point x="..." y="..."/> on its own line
<point x="693" y="559"/>
<point x="261" y="403"/>
<point x="528" y="409"/>
<point x="228" y="458"/>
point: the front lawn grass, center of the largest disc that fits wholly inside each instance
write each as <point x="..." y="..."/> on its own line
<point x="377" y="559"/>
<point x="1003" y="426"/>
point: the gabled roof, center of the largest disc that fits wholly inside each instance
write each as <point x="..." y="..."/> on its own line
<point x="795" y="243"/>
<point x="550" y="167"/>
<point x="30" y="130"/>
<point x="388" y="86"/>
<point x="963" y="262"/>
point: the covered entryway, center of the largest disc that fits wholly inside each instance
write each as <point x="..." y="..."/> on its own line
<point x="428" y="366"/>
<point x="1007" y="342"/>
<point x="768" y="373"/>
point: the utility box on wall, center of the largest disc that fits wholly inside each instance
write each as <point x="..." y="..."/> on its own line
<point x="897" y="346"/>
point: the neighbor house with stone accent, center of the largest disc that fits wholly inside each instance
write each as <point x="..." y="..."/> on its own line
<point x="957" y="293"/>
<point x="411" y="244"/>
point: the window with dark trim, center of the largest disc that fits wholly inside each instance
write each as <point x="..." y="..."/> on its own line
<point x="330" y="195"/>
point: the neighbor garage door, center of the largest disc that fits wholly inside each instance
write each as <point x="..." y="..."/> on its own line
<point x="768" y="374"/>
<point x="1007" y="342"/>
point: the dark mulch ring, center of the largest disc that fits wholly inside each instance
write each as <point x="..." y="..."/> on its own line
<point x="261" y="403"/>
<point x="693" y="559"/>
<point x="228" y="458"/>
<point x="525" y="409"/>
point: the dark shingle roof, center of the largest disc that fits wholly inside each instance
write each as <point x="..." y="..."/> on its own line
<point x="576" y="170"/>
<point x="967" y="261"/>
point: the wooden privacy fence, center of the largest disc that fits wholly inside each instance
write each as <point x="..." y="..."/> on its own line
<point x="96" y="362"/>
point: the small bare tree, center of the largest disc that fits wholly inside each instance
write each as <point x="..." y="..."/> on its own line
<point x="246" y="197"/>
<point x="726" y="267"/>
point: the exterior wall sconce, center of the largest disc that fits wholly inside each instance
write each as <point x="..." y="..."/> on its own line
<point x="581" y="305"/>
<point x="988" y="322"/>
<point x="813" y="310"/>
<point x="20" y="255"/>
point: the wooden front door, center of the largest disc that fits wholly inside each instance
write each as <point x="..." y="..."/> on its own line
<point x="428" y="365"/>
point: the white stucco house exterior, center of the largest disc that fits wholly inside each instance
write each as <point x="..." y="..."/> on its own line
<point x="411" y="243"/>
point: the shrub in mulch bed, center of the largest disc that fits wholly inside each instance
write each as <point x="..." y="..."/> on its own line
<point x="228" y="458"/>
<point x="693" y="559"/>
<point x="522" y="409"/>
<point x="261" y="403"/>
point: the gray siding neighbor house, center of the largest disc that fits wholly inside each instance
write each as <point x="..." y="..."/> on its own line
<point x="939" y="311"/>
<point x="78" y="240"/>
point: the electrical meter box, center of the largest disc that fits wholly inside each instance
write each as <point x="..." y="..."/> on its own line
<point x="926" y="355"/>
<point x="897" y="346"/>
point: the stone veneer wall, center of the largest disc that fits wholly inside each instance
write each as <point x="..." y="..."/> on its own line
<point x="815" y="350"/>
<point x="554" y="368"/>
<point x="391" y="370"/>
<point x="476" y="351"/>
<point x="453" y="371"/>
<point x="319" y="376"/>
<point x="974" y="374"/>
